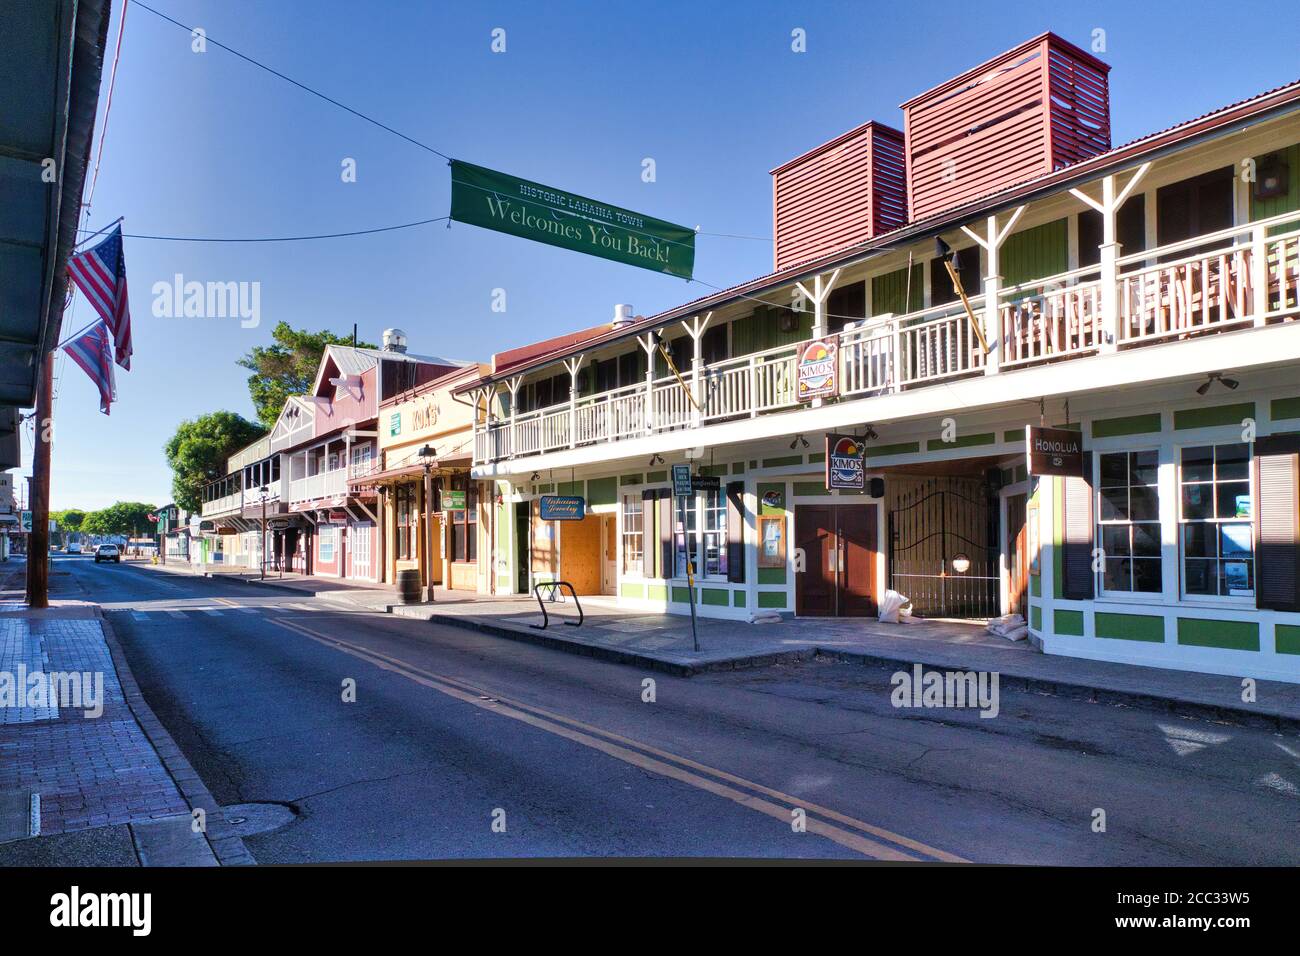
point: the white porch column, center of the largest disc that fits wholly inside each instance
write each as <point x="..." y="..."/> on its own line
<point x="574" y="365"/>
<point x="512" y="446"/>
<point x="648" y="346"/>
<point x="695" y="329"/>
<point x="1109" y="207"/>
<point x="821" y="291"/>
<point x="991" y="318"/>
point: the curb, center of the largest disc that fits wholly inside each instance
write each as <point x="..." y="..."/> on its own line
<point x="226" y="845"/>
<point x="1058" y="688"/>
<point x="631" y="658"/>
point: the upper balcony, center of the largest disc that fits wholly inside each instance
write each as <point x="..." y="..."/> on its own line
<point x="1243" y="277"/>
<point x="325" y="484"/>
<point x="229" y="504"/>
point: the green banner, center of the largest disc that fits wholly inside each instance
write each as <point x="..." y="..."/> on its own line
<point x="530" y="210"/>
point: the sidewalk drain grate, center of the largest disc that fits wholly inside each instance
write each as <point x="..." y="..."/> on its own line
<point x="248" y="819"/>
<point x="20" y="815"/>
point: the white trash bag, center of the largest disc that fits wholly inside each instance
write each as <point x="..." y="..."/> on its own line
<point x="892" y="606"/>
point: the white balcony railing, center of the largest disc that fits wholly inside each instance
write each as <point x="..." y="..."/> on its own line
<point x="227" y="504"/>
<point x="327" y="484"/>
<point x="1240" y="277"/>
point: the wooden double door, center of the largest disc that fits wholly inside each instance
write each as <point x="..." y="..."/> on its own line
<point x="839" y="545"/>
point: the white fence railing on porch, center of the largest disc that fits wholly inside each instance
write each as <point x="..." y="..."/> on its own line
<point x="1238" y="277"/>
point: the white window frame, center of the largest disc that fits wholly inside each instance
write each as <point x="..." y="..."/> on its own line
<point x="628" y="504"/>
<point x="1238" y="600"/>
<point x="695" y="537"/>
<point x="1097" y="522"/>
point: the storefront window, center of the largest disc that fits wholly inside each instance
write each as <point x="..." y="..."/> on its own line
<point x="700" y="533"/>
<point x="328" y="539"/>
<point x="1128" y="521"/>
<point x="407" y="522"/>
<point x="464" y="524"/>
<point x="1216" y="514"/>
<point x="633" y="534"/>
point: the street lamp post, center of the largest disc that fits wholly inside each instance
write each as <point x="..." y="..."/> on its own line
<point x="426" y="455"/>
<point x="263" y="493"/>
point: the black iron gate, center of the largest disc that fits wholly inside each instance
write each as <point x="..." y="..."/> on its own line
<point x="943" y="551"/>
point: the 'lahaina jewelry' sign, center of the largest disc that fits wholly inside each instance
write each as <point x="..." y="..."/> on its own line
<point x="484" y="197"/>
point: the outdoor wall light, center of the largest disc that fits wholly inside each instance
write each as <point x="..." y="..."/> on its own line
<point x="961" y="564"/>
<point x="1228" y="383"/>
<point x="537" y="476"/>
<point x="797" y="440"/>
<point x="656" y="459"/>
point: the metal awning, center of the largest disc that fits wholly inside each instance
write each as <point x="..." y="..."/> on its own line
<point x="51" y="55"/>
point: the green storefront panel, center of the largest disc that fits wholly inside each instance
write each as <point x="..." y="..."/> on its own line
<point x="1229" y="635"/>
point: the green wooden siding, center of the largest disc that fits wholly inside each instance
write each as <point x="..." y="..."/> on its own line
<point x="1288" y="201"/>
<point x="889" y="292"/>
<point x="1035" y="254"/>
<point x="1213" y="416"/>
<point x="602" y="491"/>
<point x="1128" y="425"/>
<point x="762" y="330"/>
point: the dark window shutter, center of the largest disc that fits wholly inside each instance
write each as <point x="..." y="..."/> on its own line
<point x="1077" y="578"/>
<point x="1277" y="527"/>
<point x="736" y="532"/>
<point x="648" y="532"/>
<point x="665" y="568"/>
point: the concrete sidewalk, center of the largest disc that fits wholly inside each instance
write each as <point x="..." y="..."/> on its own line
<point x="95" y="781"/>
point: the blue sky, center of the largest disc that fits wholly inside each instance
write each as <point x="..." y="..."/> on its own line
<point x="205" y="144"/>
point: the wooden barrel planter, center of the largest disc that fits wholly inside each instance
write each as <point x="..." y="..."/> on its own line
<point x="408" y="585"/>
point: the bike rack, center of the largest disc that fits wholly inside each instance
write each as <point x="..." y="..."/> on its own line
<point x="555" y="587"/>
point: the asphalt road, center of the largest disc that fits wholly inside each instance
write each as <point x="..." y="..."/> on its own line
<point x="452" y="730"/>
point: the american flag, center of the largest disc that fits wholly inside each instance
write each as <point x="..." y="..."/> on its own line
<point x="93" y="353"/>
<point x="100" y="274"/>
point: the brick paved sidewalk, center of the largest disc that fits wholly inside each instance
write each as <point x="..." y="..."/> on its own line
<point x="88" y="771"/>
<point x="85" y="784"/>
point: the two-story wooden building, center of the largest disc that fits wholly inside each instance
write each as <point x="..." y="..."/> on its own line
<point x="1143" y="295"/>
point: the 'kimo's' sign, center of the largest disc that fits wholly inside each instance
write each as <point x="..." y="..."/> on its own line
<point x="815" y="370"/>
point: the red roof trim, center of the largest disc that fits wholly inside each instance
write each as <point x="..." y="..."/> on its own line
<point x="975" y="72"/>
<point x="830" y="143"/>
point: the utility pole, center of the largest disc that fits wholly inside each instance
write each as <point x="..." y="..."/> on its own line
<point x="38" y="542"/>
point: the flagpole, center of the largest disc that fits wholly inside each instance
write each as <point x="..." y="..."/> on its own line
<point x="81" y="332"/>
<point x="82" y="242"/>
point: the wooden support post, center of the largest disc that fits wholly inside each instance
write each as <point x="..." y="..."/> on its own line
<point x="38" y="542"/>
<point x="821" y="291"/>
<point x="574" y="365"/>
<point x="1109" y="205"/>
<point x="648" y="346"/>
<point x="695" y="329"/>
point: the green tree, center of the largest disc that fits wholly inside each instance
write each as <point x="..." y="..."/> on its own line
<point x="69" y="519"/>
<point x="198" y="451"/>
<point x="122" y="517"/>
<point x="286" y="367"/>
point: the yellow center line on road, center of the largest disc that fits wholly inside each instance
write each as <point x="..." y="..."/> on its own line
<point x="652" y="759"/>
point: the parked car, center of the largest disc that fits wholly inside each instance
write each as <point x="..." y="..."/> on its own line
<point x="74" y="548"/>
<point x="108" y="552"/>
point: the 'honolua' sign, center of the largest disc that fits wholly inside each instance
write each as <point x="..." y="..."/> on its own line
<point x="1054" y="451"/>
